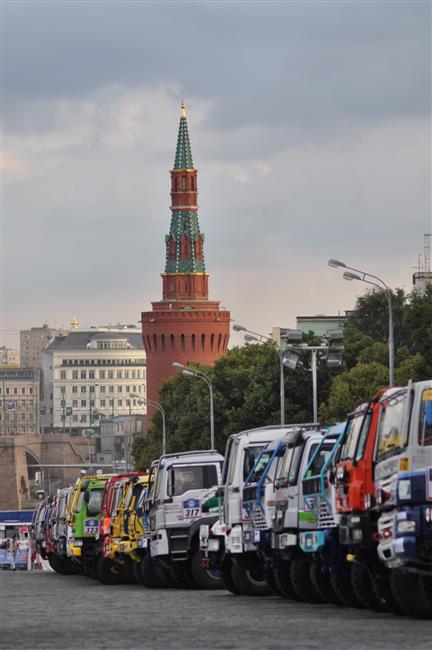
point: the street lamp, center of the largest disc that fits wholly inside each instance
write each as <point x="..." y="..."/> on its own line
<point x="192" y="372"/>
<point x="158" y="407"/>
<point x="254" y="336"/>
<point x="379" y="284"/>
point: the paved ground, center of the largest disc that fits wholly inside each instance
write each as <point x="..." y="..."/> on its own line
<point x="46" y="611"/>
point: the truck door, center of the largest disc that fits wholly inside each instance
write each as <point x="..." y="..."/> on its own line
<point x="187" y="486"/>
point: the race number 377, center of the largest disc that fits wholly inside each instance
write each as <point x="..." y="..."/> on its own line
<point x="191" y="509"/>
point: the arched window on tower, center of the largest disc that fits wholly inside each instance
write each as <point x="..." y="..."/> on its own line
<point x="171" y="246"/>
<point x="192" y="183"/>
<point x="203" y="342"/>
<point x="193" y="342"/>
<point x="184" y="183"/>
<point x="172" y="342"/>
<point x="198" y="248"/>
<point x="175" y="183"/>
<point x="182" y="341"/>
<point x="184" y="248"/>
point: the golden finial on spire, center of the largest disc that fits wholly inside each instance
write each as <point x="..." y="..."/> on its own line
<point x="182" y="109"/>
<point x="74" y="323"/>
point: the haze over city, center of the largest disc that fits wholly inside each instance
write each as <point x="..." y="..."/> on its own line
<point x="309" y="123"/>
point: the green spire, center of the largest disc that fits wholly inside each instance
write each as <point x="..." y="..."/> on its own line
<point x="183" y="157"/>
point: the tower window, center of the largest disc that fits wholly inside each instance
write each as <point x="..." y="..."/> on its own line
<point x="175" y="183"/>
<point x="184" y="183"/>
<point x="193" y="342"/>
<point x="172" y="342"/>
<point x="203" y="342"/>
<point x="182" y="339"/>
<point x="192" y="183"/>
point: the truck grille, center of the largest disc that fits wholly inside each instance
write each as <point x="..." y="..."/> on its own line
<point x="258" y="518"/>
<point x="325" y="516"/>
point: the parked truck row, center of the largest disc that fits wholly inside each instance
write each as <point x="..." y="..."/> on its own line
<point x="339" y="514"/>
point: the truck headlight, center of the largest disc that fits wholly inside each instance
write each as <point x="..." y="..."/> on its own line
<point x="213" y="545"/>
<point x="404" y="489"/>
<point x="428" y="515"/>
<point x="406" y="526"/>
<point x="340" y="473"/>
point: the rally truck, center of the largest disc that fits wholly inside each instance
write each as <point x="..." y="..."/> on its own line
<point x="108" y="570"/>
<point x="84" y="514"/>
<point x="404" y="495"/>
<point x="228" y="545"/>
<point x="172" y="515"/>
<point x="126" y="531"/>
<point x="355" y="501"/>
<point x="305" y="553"/>
<point x="56" y="535"/>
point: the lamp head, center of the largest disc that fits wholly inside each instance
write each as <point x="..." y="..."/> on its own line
<point x="290" y="360"/>
<point x="250" y="337"/>
<point x="239" y="328"/>
<point x="351" y="276"/>
<point x="335" y="263"/>
<point x="176" y="364"/>
<point x="188" y="373"/>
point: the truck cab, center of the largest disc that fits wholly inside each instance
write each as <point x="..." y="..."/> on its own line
<point x="173" y="511"/>
<point x="230" y="545"/>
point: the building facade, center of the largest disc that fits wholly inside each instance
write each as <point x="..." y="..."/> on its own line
<point x="9" y="357"/>
<point x="32" y="344"/>
<point x="93" y="374"/>
<point x="185" y="326"/>
<point x="20" y="390"/>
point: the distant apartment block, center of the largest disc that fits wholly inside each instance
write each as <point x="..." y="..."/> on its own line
<point x="9" y="357"/>
<point x="93" y="374"/>
<point x="19" y="400"/>
<point x="32" y="344"/>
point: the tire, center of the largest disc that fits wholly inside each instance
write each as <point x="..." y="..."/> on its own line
<point x="282" y="581"/>
<point x="381" y="588"/>
<point x="109" y="572"/>
<point x="227" y="579"/>
<point x="249" y="581"/>
<point x="425" y="588"/>
<point x="91" y="570"/>
<point x="150" y="573"/>
<point x="300" y="579"/>
<point x="362" y="585"/>
<point x="136" y="570"/>
<point x="127" y="573"/>
<point x="203" y="577"/>
<point x="340" y="580"/>
<point x="182" y="577"/>
<point x="406" y="592"/>
<point x="60" y="565"/>
<point x="320" y="577"/>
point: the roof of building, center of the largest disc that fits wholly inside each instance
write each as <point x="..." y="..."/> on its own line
<point x="79" y="340"/>
<point x="22" y="374"/>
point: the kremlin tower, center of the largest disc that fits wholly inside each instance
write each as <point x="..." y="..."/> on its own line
<point x="185" y="326"/>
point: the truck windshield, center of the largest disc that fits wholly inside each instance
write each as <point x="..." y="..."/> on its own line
<point x="260" y="467"/>
<point x="250" y="457"/>
<point x="391" y="437"/>
<point x="425" y="429"/>
<point x="94" y="503"/>
<point x="352" y="435"/>
<point x="193" y="477"/>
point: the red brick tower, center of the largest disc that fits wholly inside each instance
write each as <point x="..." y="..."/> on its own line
<point x="184" y="326"/>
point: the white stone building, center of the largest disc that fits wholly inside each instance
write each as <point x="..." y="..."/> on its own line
<point x="89" y="375"/>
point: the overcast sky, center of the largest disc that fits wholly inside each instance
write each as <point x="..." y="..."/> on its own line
<point x="310" y="127"/>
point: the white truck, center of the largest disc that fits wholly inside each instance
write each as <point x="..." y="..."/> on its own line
<point x="172" y="514"/>
<point x="403" y="469"/>
<point x="230" y="544"/>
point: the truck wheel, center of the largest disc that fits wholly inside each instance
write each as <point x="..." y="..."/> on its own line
<point x="182" y="575"/>
<point x="282" y="581"/>
<point x="127" y="573"/>
<point x="91" y="571"/>
<point x="340" y="580"/>
<point x="249" y="581"/>
<point x="425" y="588"/>
<point x="109" y="572"/>
<point x="136" y="570"/>
<point x="300" y="579"/>
<point x="60" y="565"/>
<point x="381" y="588"/>
<point x="320" y="578"/>
<point x="151" y="576"/>
<point x="204" y="578"/>
<point x="406" y="592"/>
<point x="361" y="581"/>
<point x="227" y="579"/>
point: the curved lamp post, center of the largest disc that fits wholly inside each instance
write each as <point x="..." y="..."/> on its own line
<point x="158" y="407"/>
<point x="379" y="284"/>
<point x="192" y="372"/>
